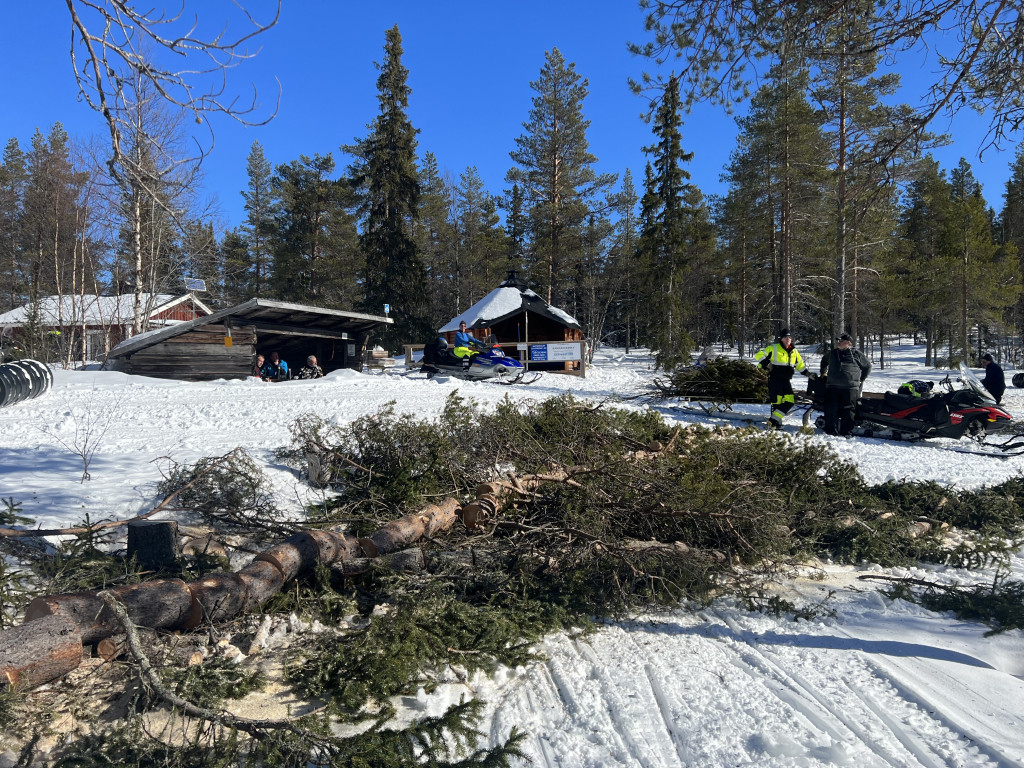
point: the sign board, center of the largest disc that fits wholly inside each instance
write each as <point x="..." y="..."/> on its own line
<point x="194" y="284"/>
<point x="539" y="352"/>
<point x="350" y="351"/>
<point x="569" y="350"/>
<point x="387" y="308"/>
<point x="521" y="346"/>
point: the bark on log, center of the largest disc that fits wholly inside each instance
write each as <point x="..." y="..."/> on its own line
<point x="402" y="532"/>
<point x="160" y="604"/>
<point x="416" y="561"/>
<point x="262" y="581"/>
<point x="36" y="653"/>
<point x="217" y="597"/>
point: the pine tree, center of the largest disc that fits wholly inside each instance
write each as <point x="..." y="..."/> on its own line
<point x="623" y="267"/>
<point x="556" y="175"/>
<point x="386" y="175"/>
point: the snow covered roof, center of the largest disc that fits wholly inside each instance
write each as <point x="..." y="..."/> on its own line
<point x="94" y="310"/>
<point x="507" y="299"/>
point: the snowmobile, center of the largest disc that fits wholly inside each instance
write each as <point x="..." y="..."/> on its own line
<point x="969" y="411"/>
<point x="490" y="364"/>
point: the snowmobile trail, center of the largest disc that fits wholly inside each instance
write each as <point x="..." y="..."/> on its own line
<point x="722" y="687"/>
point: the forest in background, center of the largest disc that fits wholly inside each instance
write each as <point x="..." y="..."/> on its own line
<point x="835" y="216"/>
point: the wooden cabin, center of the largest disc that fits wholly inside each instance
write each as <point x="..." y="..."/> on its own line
<point x="515" y="315"/>
<point x="105" y="321"/>
<point x="224" y="344"/>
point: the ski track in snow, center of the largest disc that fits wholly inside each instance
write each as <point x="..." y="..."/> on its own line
<point x="879" y="684"/>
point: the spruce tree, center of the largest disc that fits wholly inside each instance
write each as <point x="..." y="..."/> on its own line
<point x="677" y="239"/>
<point x="315" y="251"/>
<point x="436" y="240"/>
<point x="386" y="176"/>
<point x="13" y="178"/>
<point x="987" y="281"/>
<point x="258" y="228"/>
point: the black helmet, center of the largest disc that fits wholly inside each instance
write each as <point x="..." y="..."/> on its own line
<point x="442" y="342"/>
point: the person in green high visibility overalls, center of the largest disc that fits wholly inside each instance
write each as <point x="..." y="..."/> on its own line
<point x="781" y="359"/>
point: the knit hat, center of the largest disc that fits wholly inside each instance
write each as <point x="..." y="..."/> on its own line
<point x="845" y="337"/>
<point x="784" y="333"/>
<point x="987" y="356"/>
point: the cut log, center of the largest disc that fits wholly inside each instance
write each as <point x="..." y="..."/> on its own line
<point x="162" y="604"/>
<point x="217" y="597"/>
<point x="262" y="581"/>
<point x="153" y="543"/>
<point x="39" y="652"/>
<point x="416" y="561"/>
<point x="407" y="529"/>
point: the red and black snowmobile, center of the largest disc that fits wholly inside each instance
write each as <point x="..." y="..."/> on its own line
<point x="970" y="411"/>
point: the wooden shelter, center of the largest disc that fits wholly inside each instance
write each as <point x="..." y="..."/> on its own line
<point x="516" y="315"/>
<point x="224" y="345"/>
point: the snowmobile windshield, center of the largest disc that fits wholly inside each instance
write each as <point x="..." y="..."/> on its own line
<point x="973" y="382"/>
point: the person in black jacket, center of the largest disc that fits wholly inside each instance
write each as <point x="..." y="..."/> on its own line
<point x="994" y="380"/>
<point x="845" y="368"/>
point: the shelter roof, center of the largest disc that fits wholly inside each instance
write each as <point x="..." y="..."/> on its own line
<point x="268" y="317"/>
<point x="508" y="299"/>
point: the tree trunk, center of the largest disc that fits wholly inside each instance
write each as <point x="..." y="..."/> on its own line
<point x="158" y="604"/>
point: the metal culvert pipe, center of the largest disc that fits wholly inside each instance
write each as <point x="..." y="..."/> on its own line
<point x="23" y="380"/>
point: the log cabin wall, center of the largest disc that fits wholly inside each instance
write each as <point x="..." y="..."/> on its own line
<point x="198" y="355"/>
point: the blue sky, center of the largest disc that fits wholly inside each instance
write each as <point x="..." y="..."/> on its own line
<point x="470" y="66"/>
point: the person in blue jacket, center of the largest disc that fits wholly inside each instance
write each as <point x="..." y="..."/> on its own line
<point x="275" y="369"/>
<point x="465" y="344"/>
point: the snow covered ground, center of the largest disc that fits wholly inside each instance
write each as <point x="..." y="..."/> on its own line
<point x="870" y="683"/>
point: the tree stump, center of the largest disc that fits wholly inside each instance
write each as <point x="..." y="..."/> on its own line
<point x="39" y="652"/>
<point x="153" y="543"/>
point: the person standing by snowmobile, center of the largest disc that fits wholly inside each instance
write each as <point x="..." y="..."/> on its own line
<point x="994" y="381"/>
<point x="780" y="360"/>
<point x="846" y="369"/>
